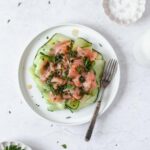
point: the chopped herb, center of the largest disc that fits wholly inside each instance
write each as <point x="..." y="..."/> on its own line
<point x="69" y="79"/>
<point x="64" y="146"/>
<point x="57" y="73"/>
<point x="49" y="2"/>
<point x="72" y="53"/>
<point x="88" y="64"/>
<point x="42" y="96"/>
<point x="37" y="105"/>
<point x="8" y="20"/>
<point x="19" y="4"/>
<point x="51" y="58"/>
<point x="64" y="74"/>
<point x="100" y="45"/>
<point x="13" y="147"/>
<point x="49" y="79"/>
<point x="60" y="89"/>
<point x="9" y="112"/>
<point x="68" y="117"/>
<point x="81" y="79"/>
<point x="47" y="37"/>
<point x="79" y="69"/>
<point x="51" y="88"/>
<point x="82" y="92"/>
<point x="58" y="58"/>
<point x="69" y="86"/>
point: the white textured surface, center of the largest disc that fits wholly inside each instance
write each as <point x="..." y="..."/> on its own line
<point x="125" y="126"/>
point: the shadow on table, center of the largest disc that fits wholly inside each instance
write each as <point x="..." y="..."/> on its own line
<point x="123" y="69"/>
<point x="146" y="14"/>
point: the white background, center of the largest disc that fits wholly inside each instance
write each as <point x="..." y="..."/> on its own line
<point x="125" y="126"/>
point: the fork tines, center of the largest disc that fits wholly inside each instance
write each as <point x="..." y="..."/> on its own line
<point x="109" y="70"/>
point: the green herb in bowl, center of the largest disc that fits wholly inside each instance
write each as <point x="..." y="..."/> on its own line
<point x="13" y="147"/>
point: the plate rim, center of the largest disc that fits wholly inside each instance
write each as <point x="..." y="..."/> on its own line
<point x="20" y="83"/>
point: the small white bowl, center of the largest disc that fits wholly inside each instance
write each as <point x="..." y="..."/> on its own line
<point x="120" y="17"/>
<point x="8" y="143"/>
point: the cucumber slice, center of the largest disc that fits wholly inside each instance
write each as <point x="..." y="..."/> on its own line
<point x="48" y="46"/>
<point x="39" y="61"/>
<point x="72" y="104"/>
<point x="100" y="56"/>
<point x="52" y="106"/>
<point x="41" y="86"/>
<point x="80" y="42"/>
<point x="99" y="68"/>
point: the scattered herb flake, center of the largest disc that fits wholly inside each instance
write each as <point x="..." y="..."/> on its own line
<point x="37" y="105"/>
<point x="9" y="112"/>
<point x="49" y="2"/>
<point x="64" y="146"/>
<point x="8" y="20"/>
<point x="116" y="144"/>
<point x="19" y="4"/>
<point x="47" y="37"/>
<point x="100" y="45"/>
<point x="68" y="117"/>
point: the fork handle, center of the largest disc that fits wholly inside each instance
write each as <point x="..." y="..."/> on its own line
<point x="95" y="114"/>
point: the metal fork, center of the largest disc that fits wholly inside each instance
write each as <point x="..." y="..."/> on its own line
<point x="106" y="79"/>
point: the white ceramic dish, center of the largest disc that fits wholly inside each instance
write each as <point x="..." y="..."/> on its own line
<point x="8" y="143"/>
<point x="120" y="16"/>
<point x="33" y="96"/>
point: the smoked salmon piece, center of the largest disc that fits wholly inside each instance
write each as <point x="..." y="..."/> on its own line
<point x="44" y="71"/>
<point x="90" y="81"/>
<point x="58" y="80"/>
<point x="76" y="93"/>
<point x="62" y="47"/>
<point x="55" y="98"/>
<point x="77" y="82"/>
<point x="86" y="52"/>
<point x="73" y="71"/>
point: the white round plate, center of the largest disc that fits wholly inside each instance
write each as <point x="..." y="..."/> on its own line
<point x="8" y="143"/>
<point x="33" y="96"/>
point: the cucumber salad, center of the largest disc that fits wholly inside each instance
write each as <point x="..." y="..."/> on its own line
<point x="68" y="72"/>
